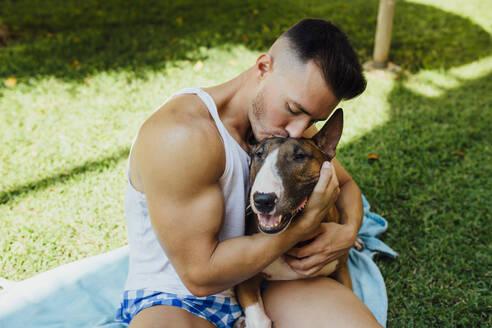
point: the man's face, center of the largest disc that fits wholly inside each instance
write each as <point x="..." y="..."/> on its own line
<point x="289" y="100"/>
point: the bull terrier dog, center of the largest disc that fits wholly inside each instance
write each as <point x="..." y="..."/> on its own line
<point x="284" y="172"/>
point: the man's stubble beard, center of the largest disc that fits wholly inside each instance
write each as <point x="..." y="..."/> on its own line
<point x="258" y="106"/>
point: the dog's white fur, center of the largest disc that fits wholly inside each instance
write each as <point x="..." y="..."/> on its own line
<point x="268" y="180"/>
<point x="256" y="317"/>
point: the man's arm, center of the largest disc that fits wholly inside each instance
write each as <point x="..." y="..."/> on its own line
<point x="349" y="201"/>
<point x="180" y="165"/>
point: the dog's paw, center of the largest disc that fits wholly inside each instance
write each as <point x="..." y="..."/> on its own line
<point x="256" y="317"/>
<point x="240" y="322"/>
<point x="359" y="244"/>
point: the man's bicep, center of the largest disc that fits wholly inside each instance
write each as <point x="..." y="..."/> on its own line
<point x="187" y="226"/>
<point x="180" y="168"/>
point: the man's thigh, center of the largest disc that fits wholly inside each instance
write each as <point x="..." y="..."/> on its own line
<point x="318" y="302"/>
<point x="169" y="317"/>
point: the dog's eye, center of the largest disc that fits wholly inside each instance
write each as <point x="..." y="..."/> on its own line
<point x="259" y="153"/>
<point x="300" y="156"/>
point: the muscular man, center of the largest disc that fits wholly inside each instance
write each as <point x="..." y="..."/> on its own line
<point x="188" y="182"/>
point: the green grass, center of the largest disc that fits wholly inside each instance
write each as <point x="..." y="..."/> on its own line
<point x="66" y="129"/>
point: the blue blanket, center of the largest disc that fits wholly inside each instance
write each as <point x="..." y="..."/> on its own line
<point x="367" y="280"/>
<point x="87" y="293"/>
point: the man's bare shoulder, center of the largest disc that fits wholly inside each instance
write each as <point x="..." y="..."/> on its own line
<point x="180" y="141"/>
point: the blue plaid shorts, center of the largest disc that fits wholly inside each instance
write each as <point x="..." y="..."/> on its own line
<point x="220" y="310"/>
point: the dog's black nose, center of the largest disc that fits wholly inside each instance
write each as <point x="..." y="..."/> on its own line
<point x="264" y="202"/>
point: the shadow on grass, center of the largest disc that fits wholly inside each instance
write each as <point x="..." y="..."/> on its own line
<point x="87" y="167"/>
<point x="437" y="202"/>
<point x="77" y="39"/>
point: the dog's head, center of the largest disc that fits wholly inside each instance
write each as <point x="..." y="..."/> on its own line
<point x="284" y="172"/>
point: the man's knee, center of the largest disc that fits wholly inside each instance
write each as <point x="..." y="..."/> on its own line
<point x="319" y="302"/>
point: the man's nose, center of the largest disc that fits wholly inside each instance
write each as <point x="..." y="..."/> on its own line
<point x="296" y="128"/>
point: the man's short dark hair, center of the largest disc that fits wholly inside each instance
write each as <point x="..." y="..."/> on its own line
<point x="328" y="46"/>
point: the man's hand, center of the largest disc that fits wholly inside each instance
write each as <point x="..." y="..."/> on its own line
<point x="322" y="198"/>
<point x="331" y="241"/>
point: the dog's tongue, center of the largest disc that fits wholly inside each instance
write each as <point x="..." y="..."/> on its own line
<point x="269" y="221"/>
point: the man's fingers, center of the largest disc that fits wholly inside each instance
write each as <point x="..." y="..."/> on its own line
<point x="326" y="174"/>
<point x="333" y="186"/>
<point x="327" y="187"/>
<point x="322" y="198"/>
<point x="335" y="255"/>
<point x="310" y="249"/>
<point x="311" y="271"/>
<point x="309" y="262"/>
<point x="305" y="264"/>
<point x="294" y="251"/>
<point x="309" y="265"/>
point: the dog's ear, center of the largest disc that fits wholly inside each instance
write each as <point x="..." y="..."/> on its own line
<point x="327" y="139"/>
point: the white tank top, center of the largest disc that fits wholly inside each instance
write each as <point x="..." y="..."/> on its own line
<point x="149" y="266"/>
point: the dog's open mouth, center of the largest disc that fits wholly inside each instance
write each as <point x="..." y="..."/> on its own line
<point x="272" y="224"/>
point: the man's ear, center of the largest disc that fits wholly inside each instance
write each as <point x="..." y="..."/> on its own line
<point x="264" y="64"/>
<point x="327" y="139"/>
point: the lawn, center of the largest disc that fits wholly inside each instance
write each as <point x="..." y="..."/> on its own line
<point x="78" y="79"/>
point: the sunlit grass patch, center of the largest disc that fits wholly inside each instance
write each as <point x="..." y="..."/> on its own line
<point x="370" y="110"/>
<point x="432" y="83"/>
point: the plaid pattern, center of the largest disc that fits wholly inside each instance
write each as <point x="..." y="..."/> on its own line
<point x="220" y="310"/>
